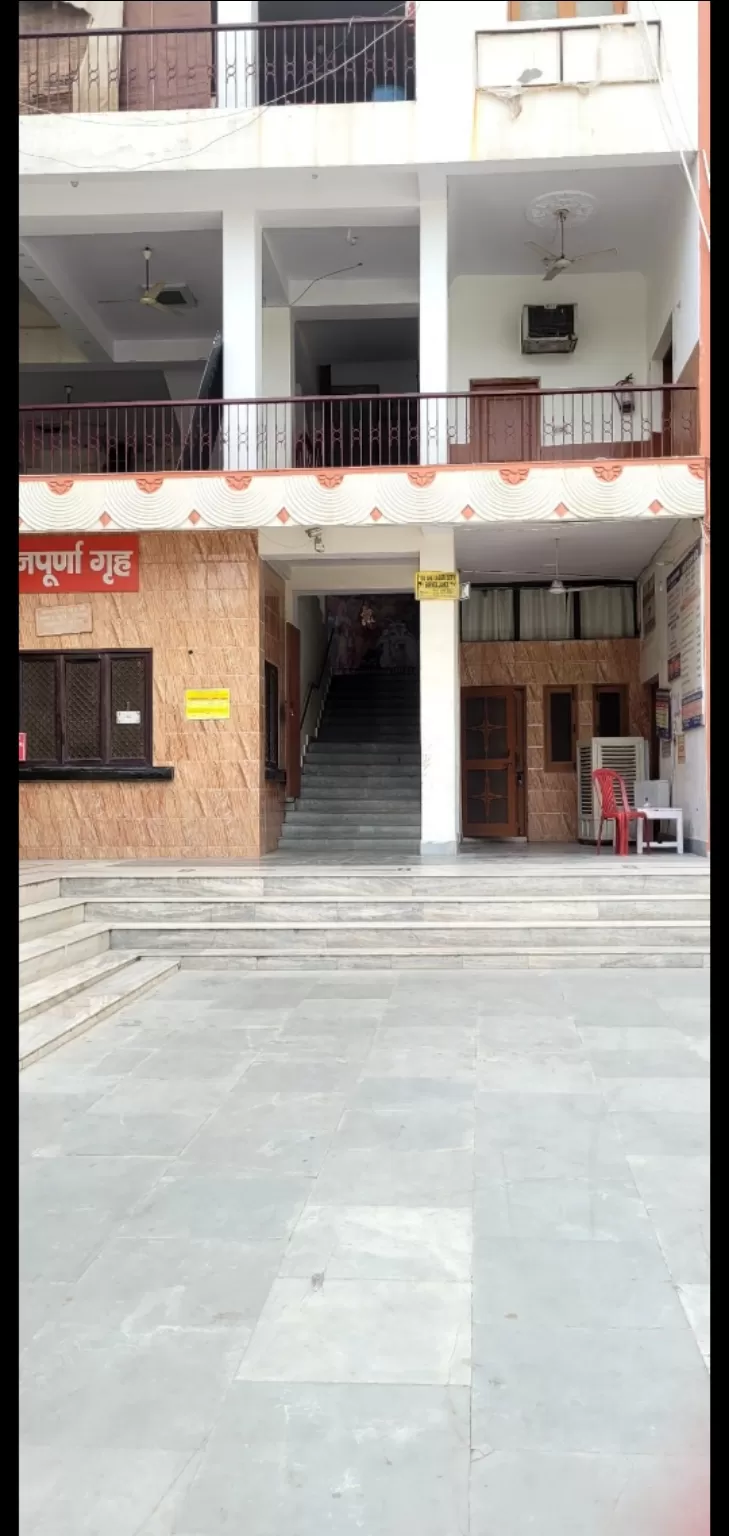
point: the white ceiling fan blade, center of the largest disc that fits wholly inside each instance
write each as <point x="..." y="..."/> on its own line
<point x="542" y="249"/>
<point x="552" y="273"/>
<point x="612" y="250"/>
<point x="116" y="301"/>
<point x="151" y="295"/>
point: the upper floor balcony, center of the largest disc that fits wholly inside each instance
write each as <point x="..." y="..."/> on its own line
<point x="429" y="84"/>
<point x="345" y="60"/>
<point x="489" y="427"/>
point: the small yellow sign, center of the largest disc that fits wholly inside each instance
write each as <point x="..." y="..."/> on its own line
<point x="438" y="586"/>
<point x="207" y="704"/>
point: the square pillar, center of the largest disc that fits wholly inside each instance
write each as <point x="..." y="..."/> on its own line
<point x="440" y="706"/>
<point x="244" y="426"/>
<point x="278" y="388"/>
<point x="434" y="320"/>
<point x="237" y="55"/>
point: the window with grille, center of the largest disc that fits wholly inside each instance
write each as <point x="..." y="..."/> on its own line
<point x="560" y="729"/>
<point x="87" y="709"/>
<point x="271" y="727"/>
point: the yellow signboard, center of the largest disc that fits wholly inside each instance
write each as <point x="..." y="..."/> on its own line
<point x="207" y="704"/>
<point x="438" y="586"/>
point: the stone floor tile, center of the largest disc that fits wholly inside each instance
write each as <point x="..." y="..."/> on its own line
<point x="533" y="1072"/>
<point x="552" y="1284"/>
<point x="389" y="1176"/>
<point x="574" y="1210"/>
<point x="669" y="1095"/>
<point x="514" y="1492"/>
<point x="632" y="1391"/>
<point x="303" y="1460"/>
<point x="662" y="1133"/>
<point x="91" y="1387"/>
<point x="696" y="1302"/>
<point x="196" y="1204"/>
<point x="114" y="1491"/>
<point x="373" y="1242"/>
<point x="416" y="1333"/>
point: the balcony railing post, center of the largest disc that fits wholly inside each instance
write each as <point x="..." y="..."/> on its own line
<point x="236" y="55"/>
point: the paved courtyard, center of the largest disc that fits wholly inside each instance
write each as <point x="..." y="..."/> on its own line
<point x="401" y="1255"/>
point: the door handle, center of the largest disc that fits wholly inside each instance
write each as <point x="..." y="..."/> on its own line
<point x="520" y="777"/>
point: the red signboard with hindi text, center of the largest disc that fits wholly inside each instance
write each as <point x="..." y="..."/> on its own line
<point x="75" y="562"/>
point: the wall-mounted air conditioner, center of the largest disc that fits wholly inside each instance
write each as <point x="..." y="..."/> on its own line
<point x="548" y="328"/>
<point x="628" y="756"/>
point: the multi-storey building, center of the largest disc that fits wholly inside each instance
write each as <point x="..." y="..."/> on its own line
<point x="316" y="297"/>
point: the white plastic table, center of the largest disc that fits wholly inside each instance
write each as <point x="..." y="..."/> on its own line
<point x="661" y="813"/>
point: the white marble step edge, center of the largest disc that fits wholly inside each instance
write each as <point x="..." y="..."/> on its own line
<point x="463" y="869"/>
<point x="367" y="899"/>
<point x="38" y="888"/>
<point x="505" y="960"/>
<point x="38" y="996"/>
<point x="36" y="919"/>
<point x="54" y="951"/>
<point x="48" y="1031"/>
<point x="170" y="925"/>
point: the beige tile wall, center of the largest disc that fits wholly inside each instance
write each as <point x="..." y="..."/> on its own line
<point x="552" y="797"/>
<point x="200" y="609"/>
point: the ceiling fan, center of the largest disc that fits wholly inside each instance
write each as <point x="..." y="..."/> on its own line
<point x="556" y="261"/>
<point x="557" y="587"/>
<point x="152" y="296"/>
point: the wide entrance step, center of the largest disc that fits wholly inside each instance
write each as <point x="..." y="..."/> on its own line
<point x="583" y="912"/>
<point x="70" y="977"/>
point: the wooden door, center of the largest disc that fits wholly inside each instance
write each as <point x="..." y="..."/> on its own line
<point x="491" y="763"/>
<point x="293" y="712"/>
<point x="506" y="423"/>
<point x="175" y="71"/>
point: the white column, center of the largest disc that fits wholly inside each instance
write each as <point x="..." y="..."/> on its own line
<point x="242" y="337"/>
<point x="237" y="55"/>
<point x="434" y="319"/>
<point x="440" y="706"/>
<point x="278" y="386"/>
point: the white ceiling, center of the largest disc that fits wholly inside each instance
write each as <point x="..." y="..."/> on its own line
<point x="383" y="252"/>
<point x="589" y="551"/>
<point x="32" y="315"/>
<point x="489" y="227"/>
<point x="106" y="266"/>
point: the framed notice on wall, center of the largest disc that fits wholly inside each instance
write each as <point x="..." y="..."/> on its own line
<point x="686" y="637"/>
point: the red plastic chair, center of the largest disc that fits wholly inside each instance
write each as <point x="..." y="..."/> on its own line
<point x="612" y="794"/>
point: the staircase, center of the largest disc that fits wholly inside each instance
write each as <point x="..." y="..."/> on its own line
<point x="70" y="977"/>
<point x="548" y="912"/>
<point x="360" y="788"/>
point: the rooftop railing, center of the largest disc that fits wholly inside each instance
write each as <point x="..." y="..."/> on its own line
<point x="150" y="69"/>
<point x="359" y="431"/>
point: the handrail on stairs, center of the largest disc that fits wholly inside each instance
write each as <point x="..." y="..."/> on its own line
<point x="315" y="686"/>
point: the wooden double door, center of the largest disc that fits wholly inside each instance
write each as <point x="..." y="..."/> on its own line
<point x="493" y="762"/>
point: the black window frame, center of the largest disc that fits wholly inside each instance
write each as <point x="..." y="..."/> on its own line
<point x="272" y="731"/>
<point x="105" y="762"/>
<point x="553" y="764"/>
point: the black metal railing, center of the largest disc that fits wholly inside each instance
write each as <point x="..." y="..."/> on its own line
<point x="150" y="69"/>
<point x="331" y="433"/>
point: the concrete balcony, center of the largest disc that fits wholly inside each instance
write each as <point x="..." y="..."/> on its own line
<point x="350" y="460"/>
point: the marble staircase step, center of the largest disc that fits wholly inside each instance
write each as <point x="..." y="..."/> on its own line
<point x="585" y="959"/>
<point x="54" y="951"/>
<point x="39" y="996"/>
<point x="37" y="888"/>
<point x="50" y="1029"/>
<point x="500" y="880"/>
<point x="177" y="936"/>
<point x="44" y="917"/>
<point x="296" y="909"/>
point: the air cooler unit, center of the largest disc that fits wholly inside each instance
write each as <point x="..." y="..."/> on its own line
<point x="628" y="755"/>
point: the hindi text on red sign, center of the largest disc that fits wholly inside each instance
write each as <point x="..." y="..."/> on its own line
<point x="79" y="563"/>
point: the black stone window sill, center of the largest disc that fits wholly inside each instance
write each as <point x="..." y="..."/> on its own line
<point x="65" y="774"/>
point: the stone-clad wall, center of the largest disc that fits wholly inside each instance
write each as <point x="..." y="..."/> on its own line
<point x="201" y="609"/>
<point x="552" y="797"/>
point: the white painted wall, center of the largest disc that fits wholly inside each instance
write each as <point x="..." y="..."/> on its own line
<point x="440" y="705"/>
<point x="673" y="288"/>
<point x="485" y="343"/>
<point x="309" y="618"/>
<point x="689" y="779"/>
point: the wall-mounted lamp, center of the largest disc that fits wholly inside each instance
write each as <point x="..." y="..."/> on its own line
<point x="625" y="396"/>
